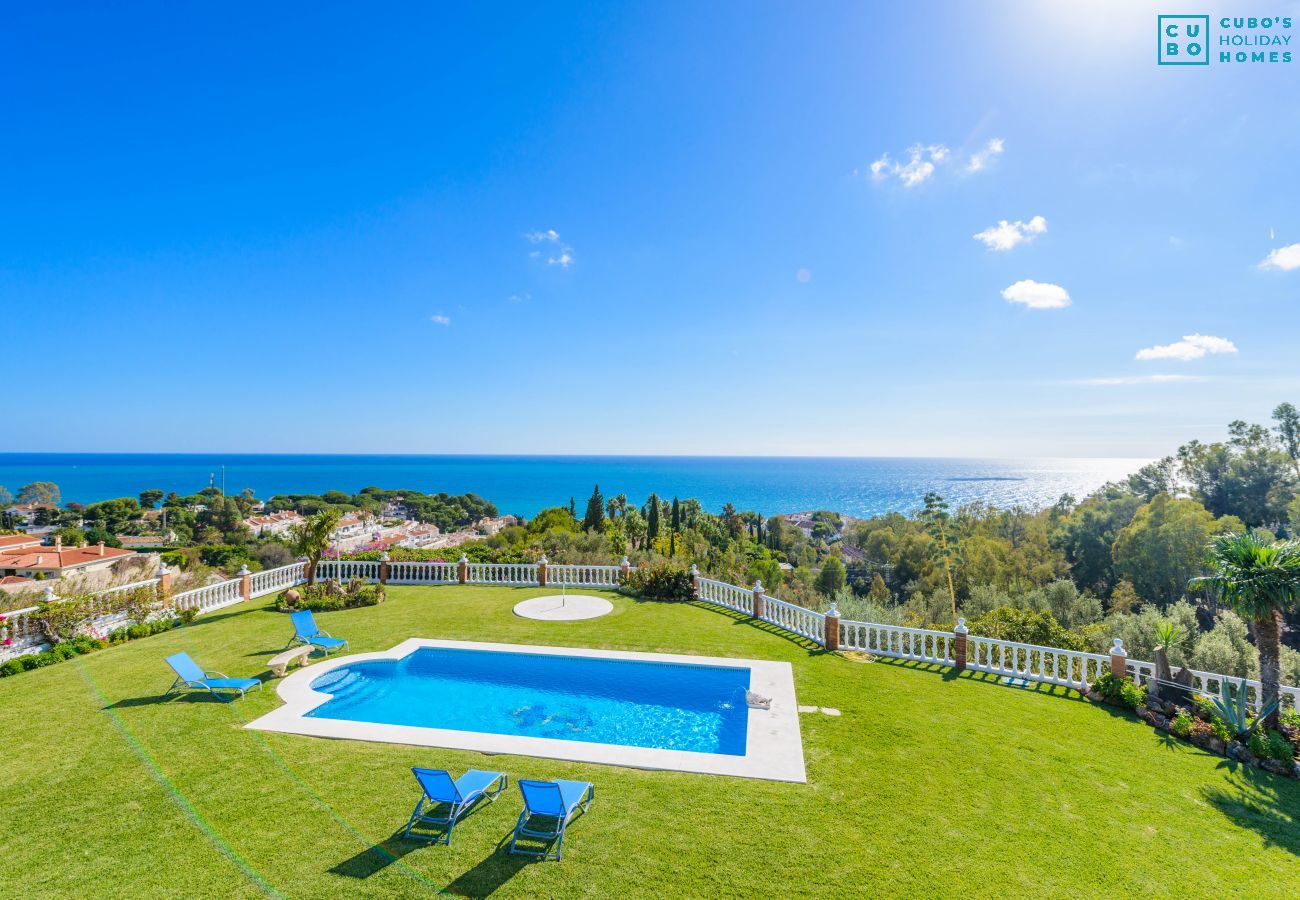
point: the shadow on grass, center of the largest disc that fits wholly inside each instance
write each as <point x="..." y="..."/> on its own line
<point x="379" y="856"/>
<point x="491" y="873"/>
<point x="1260" y="801"/>
<point x="740" y="618"/>
<point x="177" y="697"/>
<point x="948" y="673"/>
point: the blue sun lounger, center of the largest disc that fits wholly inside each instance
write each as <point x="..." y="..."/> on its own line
<point x="305" y="631"/>
<point x="447" y="800"/>
<point x="558" y="801"/>
<point x="190" y="676"/>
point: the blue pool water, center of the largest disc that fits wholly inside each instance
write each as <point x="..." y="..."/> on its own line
<point x="669" y="706"/>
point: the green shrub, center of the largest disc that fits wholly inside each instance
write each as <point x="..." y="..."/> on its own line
<point x="1181" y="724"/>
<point x="1206" y="710"/>
<point x="328" y="596"/>
<point x="1119" y="691"/>
<point x="659" y="582"/>
<point x="1271" y="745"/>
<point x="1026" y="626"/>
<point x="1291" y="718"/>
<point x="81" y="645"/>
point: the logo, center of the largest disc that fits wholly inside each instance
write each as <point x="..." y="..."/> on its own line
<point x="1186" y="41"/>
<point x="1183" y="40"/>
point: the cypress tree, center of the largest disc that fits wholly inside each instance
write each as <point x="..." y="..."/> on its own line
<point x="594" y="520"/>
<point x="677" y="516"/>
<point x="652" y="518"/>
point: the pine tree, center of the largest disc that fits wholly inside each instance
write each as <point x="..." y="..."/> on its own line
<point x="594" y="520"/>
<point x="879" y="592"/>
<point x="573" y="508"/>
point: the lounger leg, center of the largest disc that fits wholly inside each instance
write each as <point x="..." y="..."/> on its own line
<point x="415" y="814"/>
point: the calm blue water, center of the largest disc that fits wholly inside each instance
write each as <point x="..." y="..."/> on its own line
<point x="605" y="701"/>
<point x="526" y="484"/>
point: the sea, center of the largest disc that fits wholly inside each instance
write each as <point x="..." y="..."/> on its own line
<point x="523" y="485"/>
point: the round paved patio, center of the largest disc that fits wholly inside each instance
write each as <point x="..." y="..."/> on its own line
<point x="558" y="608"/>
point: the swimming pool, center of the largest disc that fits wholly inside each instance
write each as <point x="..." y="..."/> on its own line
<point x="571" y="698"/>
<point x="662" y="711"/>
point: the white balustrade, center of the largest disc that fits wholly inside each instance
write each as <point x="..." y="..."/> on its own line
<point x="1051" y="665"/>
<point x="797" y="619"/>
<point x="347" y="569"/>
<point x="210" y="597"/>
<point x="720" y="593"/>
<point x="431" y="572"/>
<point x="503" y="573"/>
<point x="583" y="576"/>
<point x="898" y="641"/>
<point x="268" y="581"/>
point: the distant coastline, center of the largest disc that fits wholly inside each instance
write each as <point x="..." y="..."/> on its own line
<point x="860" y="486"/>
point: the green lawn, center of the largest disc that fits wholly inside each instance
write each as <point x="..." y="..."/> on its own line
<point x="927" y="785"/>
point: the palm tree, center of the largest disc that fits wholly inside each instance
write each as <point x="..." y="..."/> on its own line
<point x="1260" y="580"/>
<point x="312" y="538"/>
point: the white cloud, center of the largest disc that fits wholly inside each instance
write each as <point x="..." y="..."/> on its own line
<point x="1283" y="258"/>
<point x="560" y="254"/>
<point x="440" y="319"/>
<point x="918" y="168"/>
<point x="982" y="158"/>
<point x="803" y="276"/>
<point x="1006" y="235"/>
<point x="1192" y="346"/>
<point x="1139" y="379"/>
<point x="1037" y="295"/>
<point x="922" y="161"/>
<point x="520" y="298"/>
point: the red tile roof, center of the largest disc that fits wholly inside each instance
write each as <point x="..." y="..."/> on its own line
<point x="50" y="558"/>
<point x="11" y="541"/>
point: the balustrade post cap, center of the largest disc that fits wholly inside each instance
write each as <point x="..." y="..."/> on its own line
<point x="385" y="557"/>
<point x="1117" y="649"/>
<point x="49" y="593"/>
<point x="464" y="558"/>
<point x="542" y="561"/>
<point x="162" y="568"/>
<point x="625" y="562"/>
<point x="758" y="585"/>
<point x="243" y="570"/>
<point x="961" y="626"/>
<point x="834" y="611"/>
<point x="694" y="569"/>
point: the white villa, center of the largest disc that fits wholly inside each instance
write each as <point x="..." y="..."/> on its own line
<point x="279" y="523"/>
<point x="23" y="556"/>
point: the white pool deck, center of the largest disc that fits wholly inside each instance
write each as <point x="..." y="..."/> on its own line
<point x="773" y="748"/>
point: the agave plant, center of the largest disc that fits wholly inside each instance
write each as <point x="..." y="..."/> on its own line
<point x="1231" y="707"/>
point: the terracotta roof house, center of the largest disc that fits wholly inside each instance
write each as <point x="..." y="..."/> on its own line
<point x="17" y="541"/>
<point x="273" y="523"/>
<point x="59" y="561"/>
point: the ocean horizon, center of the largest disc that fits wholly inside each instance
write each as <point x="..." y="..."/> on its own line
<point x="525" y="484"/>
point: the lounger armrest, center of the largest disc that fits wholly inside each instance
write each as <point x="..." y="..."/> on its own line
<point x="215" y="675"/>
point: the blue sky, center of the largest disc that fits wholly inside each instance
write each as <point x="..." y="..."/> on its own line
<point x="303" y="228"/>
